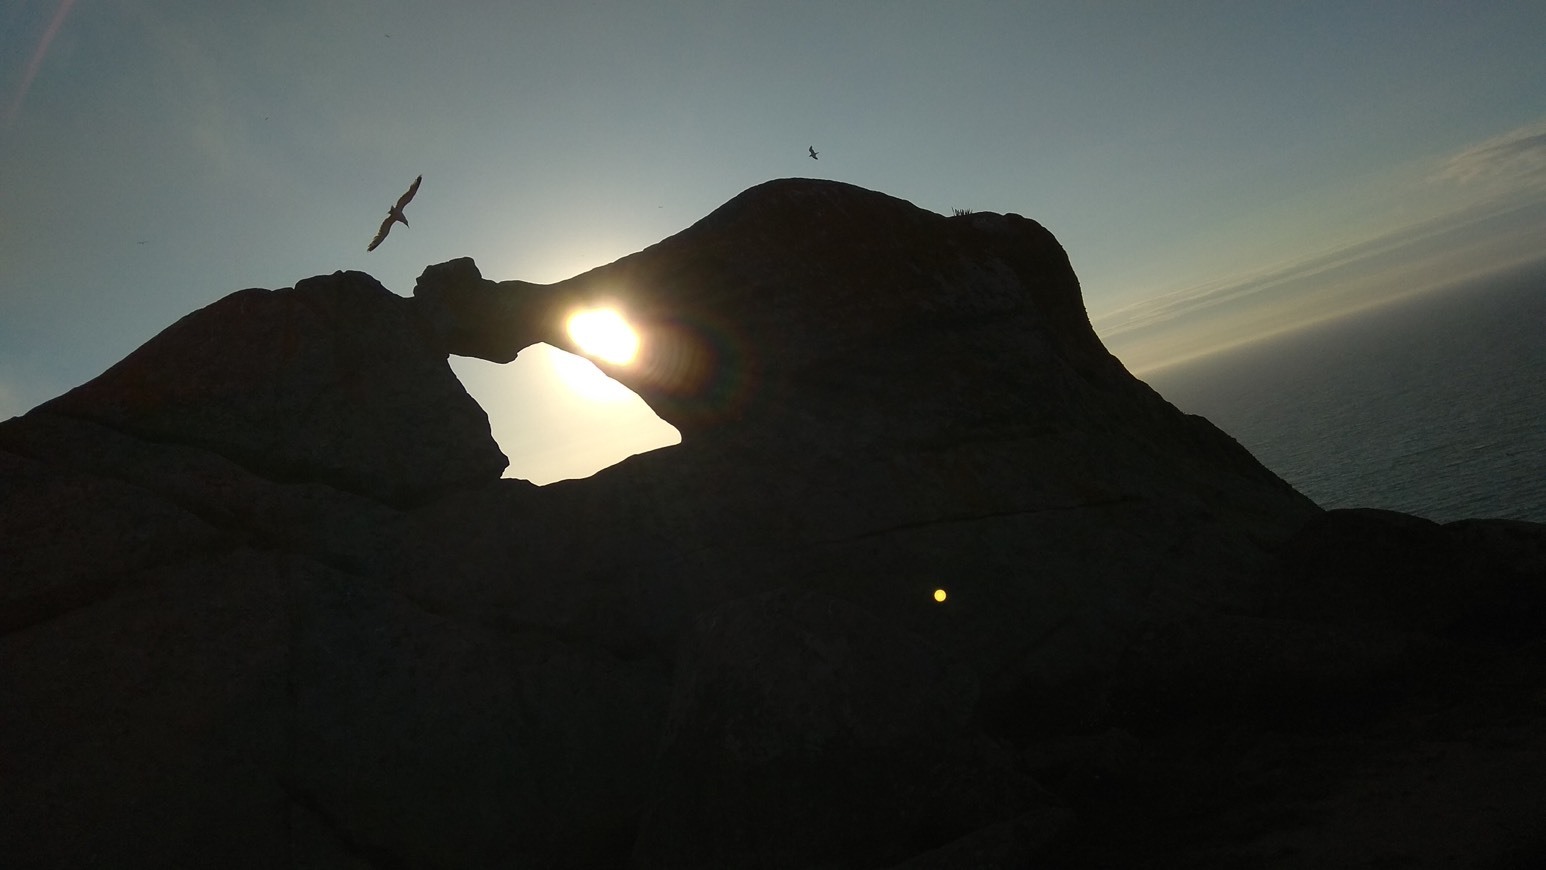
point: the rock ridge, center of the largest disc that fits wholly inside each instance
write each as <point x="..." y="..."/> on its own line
<point x="327" y="381"/>
<point x="265" y="601"/>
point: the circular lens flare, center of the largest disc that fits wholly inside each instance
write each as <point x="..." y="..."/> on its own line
<point x="602" y="333"/>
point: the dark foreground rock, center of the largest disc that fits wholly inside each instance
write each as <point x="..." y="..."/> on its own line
<point x="329" y="381"/>
<point x="265" y="601"/>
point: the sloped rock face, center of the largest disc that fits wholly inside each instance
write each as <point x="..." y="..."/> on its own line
<point x="327" y="381"/>
<point x="850" y="372"/>
<point x="266" y="601"/>
<point x="783" y="697"/>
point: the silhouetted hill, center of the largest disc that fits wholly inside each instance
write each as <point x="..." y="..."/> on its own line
<point x="266" y="601"/>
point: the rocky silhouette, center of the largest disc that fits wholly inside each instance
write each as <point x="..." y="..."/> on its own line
<point x="265" y="600"/>
<point x="395" y="214"/>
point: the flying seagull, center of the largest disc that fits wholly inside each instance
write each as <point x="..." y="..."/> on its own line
<point x="813" y="151"/>
<point x="394" y="214"/>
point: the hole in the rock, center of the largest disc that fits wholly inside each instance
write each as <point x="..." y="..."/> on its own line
<point x="557" y="417"/>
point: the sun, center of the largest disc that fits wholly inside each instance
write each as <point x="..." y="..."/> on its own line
<point x="603" y="333"/>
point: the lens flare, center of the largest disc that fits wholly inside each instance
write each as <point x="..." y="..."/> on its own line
<point x="603" y="333"/>
<point x="582" y="378"/>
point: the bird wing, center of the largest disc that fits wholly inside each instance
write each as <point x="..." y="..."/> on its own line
<point x="386" y="227"/>
<point x="408" y="197"/>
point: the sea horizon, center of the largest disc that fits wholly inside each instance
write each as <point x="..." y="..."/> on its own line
<point x="1434" y="405"/>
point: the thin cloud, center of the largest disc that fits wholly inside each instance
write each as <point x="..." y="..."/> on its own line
<point x="1229" y="312"/>
<point x="1485" y="209"/>
<point x="36" y="62"/>
<point x="1517" y="158"/>
<point x="1284" y="275"/>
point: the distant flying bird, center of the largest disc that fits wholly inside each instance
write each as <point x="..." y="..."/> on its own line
<point x="394" y="214"/>
<point x="813" y="152"/>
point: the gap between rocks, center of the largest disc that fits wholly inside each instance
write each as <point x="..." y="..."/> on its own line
<point x="557" y="417"/>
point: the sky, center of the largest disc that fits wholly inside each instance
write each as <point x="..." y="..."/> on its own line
<point x="1218" y="172"/>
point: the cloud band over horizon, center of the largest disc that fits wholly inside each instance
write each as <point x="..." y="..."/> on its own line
<point x="1485" y="210"/>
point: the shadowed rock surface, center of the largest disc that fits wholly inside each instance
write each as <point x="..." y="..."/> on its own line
<point x="329" y="381"/>
<point x="266" y="601"/>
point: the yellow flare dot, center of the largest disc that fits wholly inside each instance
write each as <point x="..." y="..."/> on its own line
<point x="939" y="595"/>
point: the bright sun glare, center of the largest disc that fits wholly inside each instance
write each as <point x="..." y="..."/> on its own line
<point x="603" y="333"/>
<point x="581" y="376"/>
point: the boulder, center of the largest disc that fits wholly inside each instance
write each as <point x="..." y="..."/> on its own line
<point x="470" y="315"/>
<point x="804" y="732"/>
<point x="71" y="538"/>
<point x="266" y="600"/>
<point x="331" y="381"/>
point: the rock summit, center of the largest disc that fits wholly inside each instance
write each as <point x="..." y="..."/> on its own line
<point x="267" y="602"/>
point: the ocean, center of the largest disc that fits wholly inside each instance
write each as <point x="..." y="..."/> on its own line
<point x="1434" y="405"/>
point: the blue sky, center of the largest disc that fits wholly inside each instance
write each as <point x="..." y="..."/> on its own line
<point x="1217" y="171"/>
